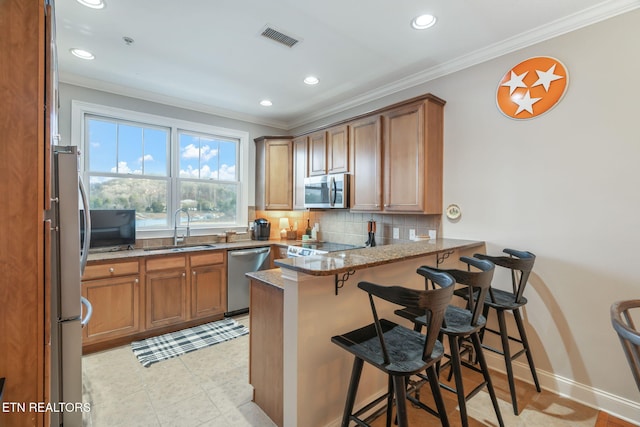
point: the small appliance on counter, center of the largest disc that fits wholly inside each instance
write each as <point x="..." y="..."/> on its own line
<point x="261" y="229"/>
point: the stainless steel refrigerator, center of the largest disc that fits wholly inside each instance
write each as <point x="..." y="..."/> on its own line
<point x="69" y="310"/>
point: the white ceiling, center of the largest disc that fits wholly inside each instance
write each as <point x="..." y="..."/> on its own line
<point x="208" y="55"/>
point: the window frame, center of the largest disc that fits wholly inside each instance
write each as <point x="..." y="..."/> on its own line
<point x="80" y="108"/>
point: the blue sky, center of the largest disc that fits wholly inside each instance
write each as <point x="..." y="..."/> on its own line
<point x="129" y="148"/>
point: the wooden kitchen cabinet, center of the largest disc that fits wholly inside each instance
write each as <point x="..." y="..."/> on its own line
<point x="116" y="308"/>
<point x="208" y="284"/>
<point x="317" y="153"/>
<point x="274" y="173"/>
<point x="338" y="149"/>
<point x="413" y="150"/>
<point x="329" y="151"/>
<point x="166" y="291"/>
<point x="113" y="288"/>
<point x="299" y="171"/>
<point x="365" y="146"/>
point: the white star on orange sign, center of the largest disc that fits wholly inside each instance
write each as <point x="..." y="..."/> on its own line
<point x="546" y="77"/>
<point x="532" y="87"/>
<point x="515" y="81"/>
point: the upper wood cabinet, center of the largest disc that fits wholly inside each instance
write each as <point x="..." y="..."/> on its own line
<point x="338" y="149"/>
<point x="413" y="140"/>
<point x="329" y="151"/>
<point x="317" y="154"/>
<point x="365" y="147"/>
<point x="299" y="171"/>
<point x="274" y="173"/>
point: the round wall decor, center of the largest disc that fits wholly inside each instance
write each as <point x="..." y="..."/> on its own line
<point x="532" y="88"/>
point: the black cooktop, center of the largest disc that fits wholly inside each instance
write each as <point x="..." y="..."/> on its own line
<point x="328" y="246"/>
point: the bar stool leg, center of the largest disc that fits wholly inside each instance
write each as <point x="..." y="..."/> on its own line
<point x="353" y="389"/>
<point x="437" y="395"/>
<point x="399" y="386"/>
<point x="389" y="401"/>
<point x="457" y="376"/>
<point x="504" y="337"/>
<point x="525" y="343"/>
<point x="485" y="372"/>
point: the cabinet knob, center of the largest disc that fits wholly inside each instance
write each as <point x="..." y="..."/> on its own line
<point x="194" y="273"/>
<point x="111" y="269"/>
<point x="386" y="205"/>
<point x="136" y="281"/>
<point x="184" y="274"/>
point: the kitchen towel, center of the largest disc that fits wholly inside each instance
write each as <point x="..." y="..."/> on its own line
<point x="174" y="344"/>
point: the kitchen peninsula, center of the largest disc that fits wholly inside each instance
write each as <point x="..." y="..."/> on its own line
<point x="299" y="377"/>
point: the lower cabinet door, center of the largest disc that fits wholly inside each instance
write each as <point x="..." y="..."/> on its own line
<point x="166" y="298"/>
<point x="208" y="291"/>
<point x="115" y="304"/>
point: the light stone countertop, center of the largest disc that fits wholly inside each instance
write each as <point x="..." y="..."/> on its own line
<point x="356" y="259"/>
<point x="182" y="249"/>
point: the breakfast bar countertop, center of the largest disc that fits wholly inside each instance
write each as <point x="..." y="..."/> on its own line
<point x="356" y="259"/>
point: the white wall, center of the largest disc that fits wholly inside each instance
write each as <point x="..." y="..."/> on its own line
<point x="564" y="186"/>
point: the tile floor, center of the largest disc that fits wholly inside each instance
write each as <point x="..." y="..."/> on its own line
<point x="209" y="387"/>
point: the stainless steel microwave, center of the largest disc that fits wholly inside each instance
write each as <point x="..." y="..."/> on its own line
<point x="327" y="191"/>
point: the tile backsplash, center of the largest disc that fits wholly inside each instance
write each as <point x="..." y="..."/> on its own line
<point x="342" y="226"/>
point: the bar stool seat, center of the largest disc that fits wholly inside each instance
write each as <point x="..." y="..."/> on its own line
<point x="398" y="351"/>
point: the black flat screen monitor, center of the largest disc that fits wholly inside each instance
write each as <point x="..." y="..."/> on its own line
<point x="112" y="227"/>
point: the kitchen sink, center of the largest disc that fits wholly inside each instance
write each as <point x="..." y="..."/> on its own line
<point x="181" y="248"/>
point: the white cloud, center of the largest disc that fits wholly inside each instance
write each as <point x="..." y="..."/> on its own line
<point x="123" y="167"/>
<point x="205" y="152"/>
<point x="146" y="158"/>
<point x="95" y="144"/>
<point x="227" y="173"/>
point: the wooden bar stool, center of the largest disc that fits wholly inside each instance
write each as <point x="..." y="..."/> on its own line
<point x="396" y="350"/>
<point x="520" y="263"/>
<point x="461" y="325"/>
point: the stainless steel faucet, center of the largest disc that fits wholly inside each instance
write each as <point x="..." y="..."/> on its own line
<point x="176" y="216"/>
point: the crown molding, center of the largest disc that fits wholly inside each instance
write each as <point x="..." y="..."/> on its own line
<point x="548" y="31"/>
<point x="595" y="14"/>
<point x="76" y="80"/>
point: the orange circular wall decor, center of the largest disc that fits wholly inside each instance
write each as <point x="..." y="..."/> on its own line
<point x="532" y="88"/>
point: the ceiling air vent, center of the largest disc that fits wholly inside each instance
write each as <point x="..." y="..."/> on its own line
<point x="279" y="37"/>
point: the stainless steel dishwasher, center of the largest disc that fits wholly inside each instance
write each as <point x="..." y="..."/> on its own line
<point x="240" y="262"/>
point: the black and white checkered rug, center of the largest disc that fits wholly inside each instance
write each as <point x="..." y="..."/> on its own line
<point x="166" y="346"/>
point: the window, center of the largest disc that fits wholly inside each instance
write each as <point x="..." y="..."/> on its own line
<point x="208" y="184"/>
<point x="158" y="165"/>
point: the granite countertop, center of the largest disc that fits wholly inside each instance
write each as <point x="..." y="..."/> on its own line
<point x="356" y="259"/>
<point x="182" y="249"/>
<point x="272" y="277"/>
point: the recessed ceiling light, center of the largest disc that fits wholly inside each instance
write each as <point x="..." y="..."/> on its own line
<point x="266" y="103"/>
<point x="423" y="21"/>
<point x="93" y="4"/>
<point x="311" y="80"/>
<point x="81" y="53"/>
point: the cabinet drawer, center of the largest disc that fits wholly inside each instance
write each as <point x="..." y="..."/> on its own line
<point x="97" y="271"/>
<point x="207" y="259"/>
<point x="166" y="263"/>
